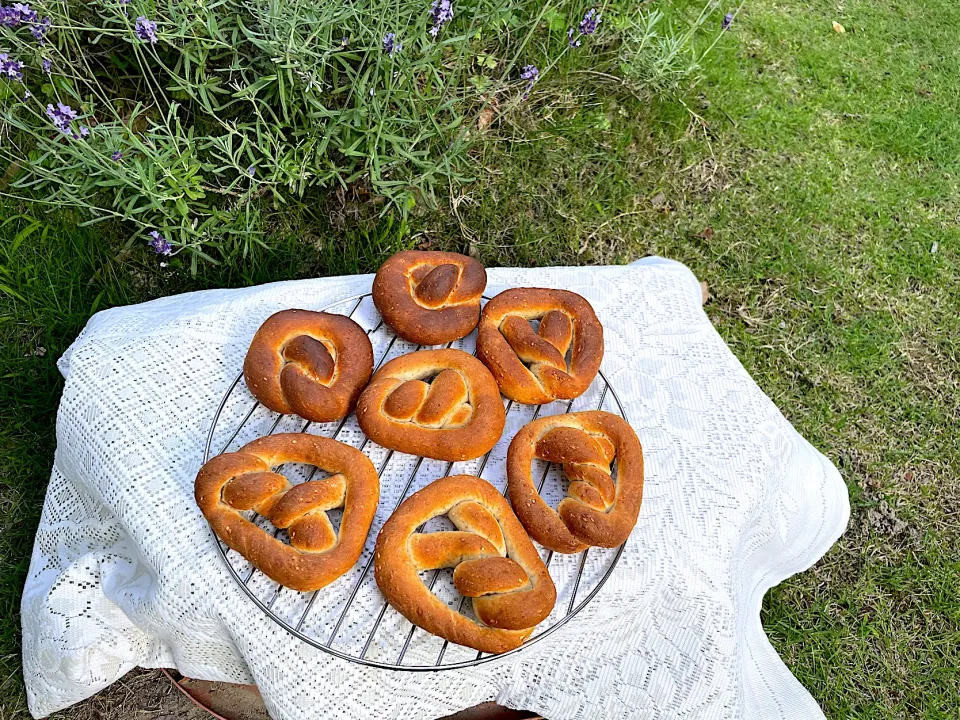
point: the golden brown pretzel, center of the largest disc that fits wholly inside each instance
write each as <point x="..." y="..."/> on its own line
<point x="597" y="509"/>
<point x="244" y="480"/>
<point x="310" y="363"/>
<point x="493" y="559"/>
<point x="457" y="416"/>
<point x="430" y="298"/>
<point x="531" y="367"/>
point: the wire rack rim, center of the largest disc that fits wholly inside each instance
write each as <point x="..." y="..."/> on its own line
<point x="313" y="642"/>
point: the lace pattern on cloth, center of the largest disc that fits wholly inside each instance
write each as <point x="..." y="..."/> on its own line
<point x="125" y="571"/>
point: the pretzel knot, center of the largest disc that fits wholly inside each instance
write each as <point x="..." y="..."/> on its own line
<point x="430" y="298"/>
<point x="441" y="404"/>
<point x="531" y="366"/>
<point x="492" y="558"/>
<point x="232" y="483"/>
<point x="598" y="510"/>
<point x="309" y="363"/>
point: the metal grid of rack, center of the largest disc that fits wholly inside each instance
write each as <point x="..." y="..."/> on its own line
<point x="349" y="618"/>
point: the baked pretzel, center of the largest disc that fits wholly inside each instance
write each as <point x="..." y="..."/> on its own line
<point x="598" y="510"/>
<point x="531" y="367"/>
<point x="232" y="483"/>
<point x="310" y="363"/>
<point x="430" y="298"/>
<point x="458" y="415"/>
<point x="494" y="563"/>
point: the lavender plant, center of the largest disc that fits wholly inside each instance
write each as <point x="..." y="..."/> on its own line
<point x="187" y="119"/>
<point x="659" y="50"/>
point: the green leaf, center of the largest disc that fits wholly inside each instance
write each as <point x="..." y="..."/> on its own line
<point x="556" y="21"/>
<point x="487" y="61"/>
<point x="481" y="82"/>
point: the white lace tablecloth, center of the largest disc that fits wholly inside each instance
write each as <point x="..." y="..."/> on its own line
<point x="125" y="571"/>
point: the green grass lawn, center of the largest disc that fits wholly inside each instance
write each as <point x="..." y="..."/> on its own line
<point x="811" y="180"/>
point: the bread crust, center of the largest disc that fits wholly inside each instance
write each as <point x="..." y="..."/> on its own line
<point x="459" y="416"/>
<point x="531" y="367"/>
<point x="430" y="298"/>
<point x="234" y="482"/>
<point x="493" y="559"/>
<point x="596" y="511"/>
<point x="313" y="364"/>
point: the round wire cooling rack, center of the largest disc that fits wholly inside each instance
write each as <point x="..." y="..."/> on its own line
<point x="350" y="618"/>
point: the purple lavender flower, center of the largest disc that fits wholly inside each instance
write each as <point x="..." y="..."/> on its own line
<point x="47" y="66"/>
<point x="345" y="41"/>
<point x="441" y="12"/>
<point x="252" y="171"/>
<point x="12" y="69"/>
<point x="531" y="74"/>
<point x="39" y="30"/>
<point x="390" y="45"/>
<point x="27" y="94"/>
<point x="727" y="21"/>
<point x="9" y="17"/>
<point x="159" y="243"/>
<point x="117" y="156"/>
<point x="588" y="26"/>
<point x="26" y="14"/>
<point x="17" y="13"/>
<point x="146" y="29"/>
<point x="62" y="116"/>
<point x="124" y="3"/>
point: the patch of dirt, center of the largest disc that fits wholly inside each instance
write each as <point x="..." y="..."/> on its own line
<point x="884" y="525"/>
<point x="932" y="368"/>
<point x="138" y="695"/>
<point x="709" y="177"/>
<point x="883" y="520"/>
